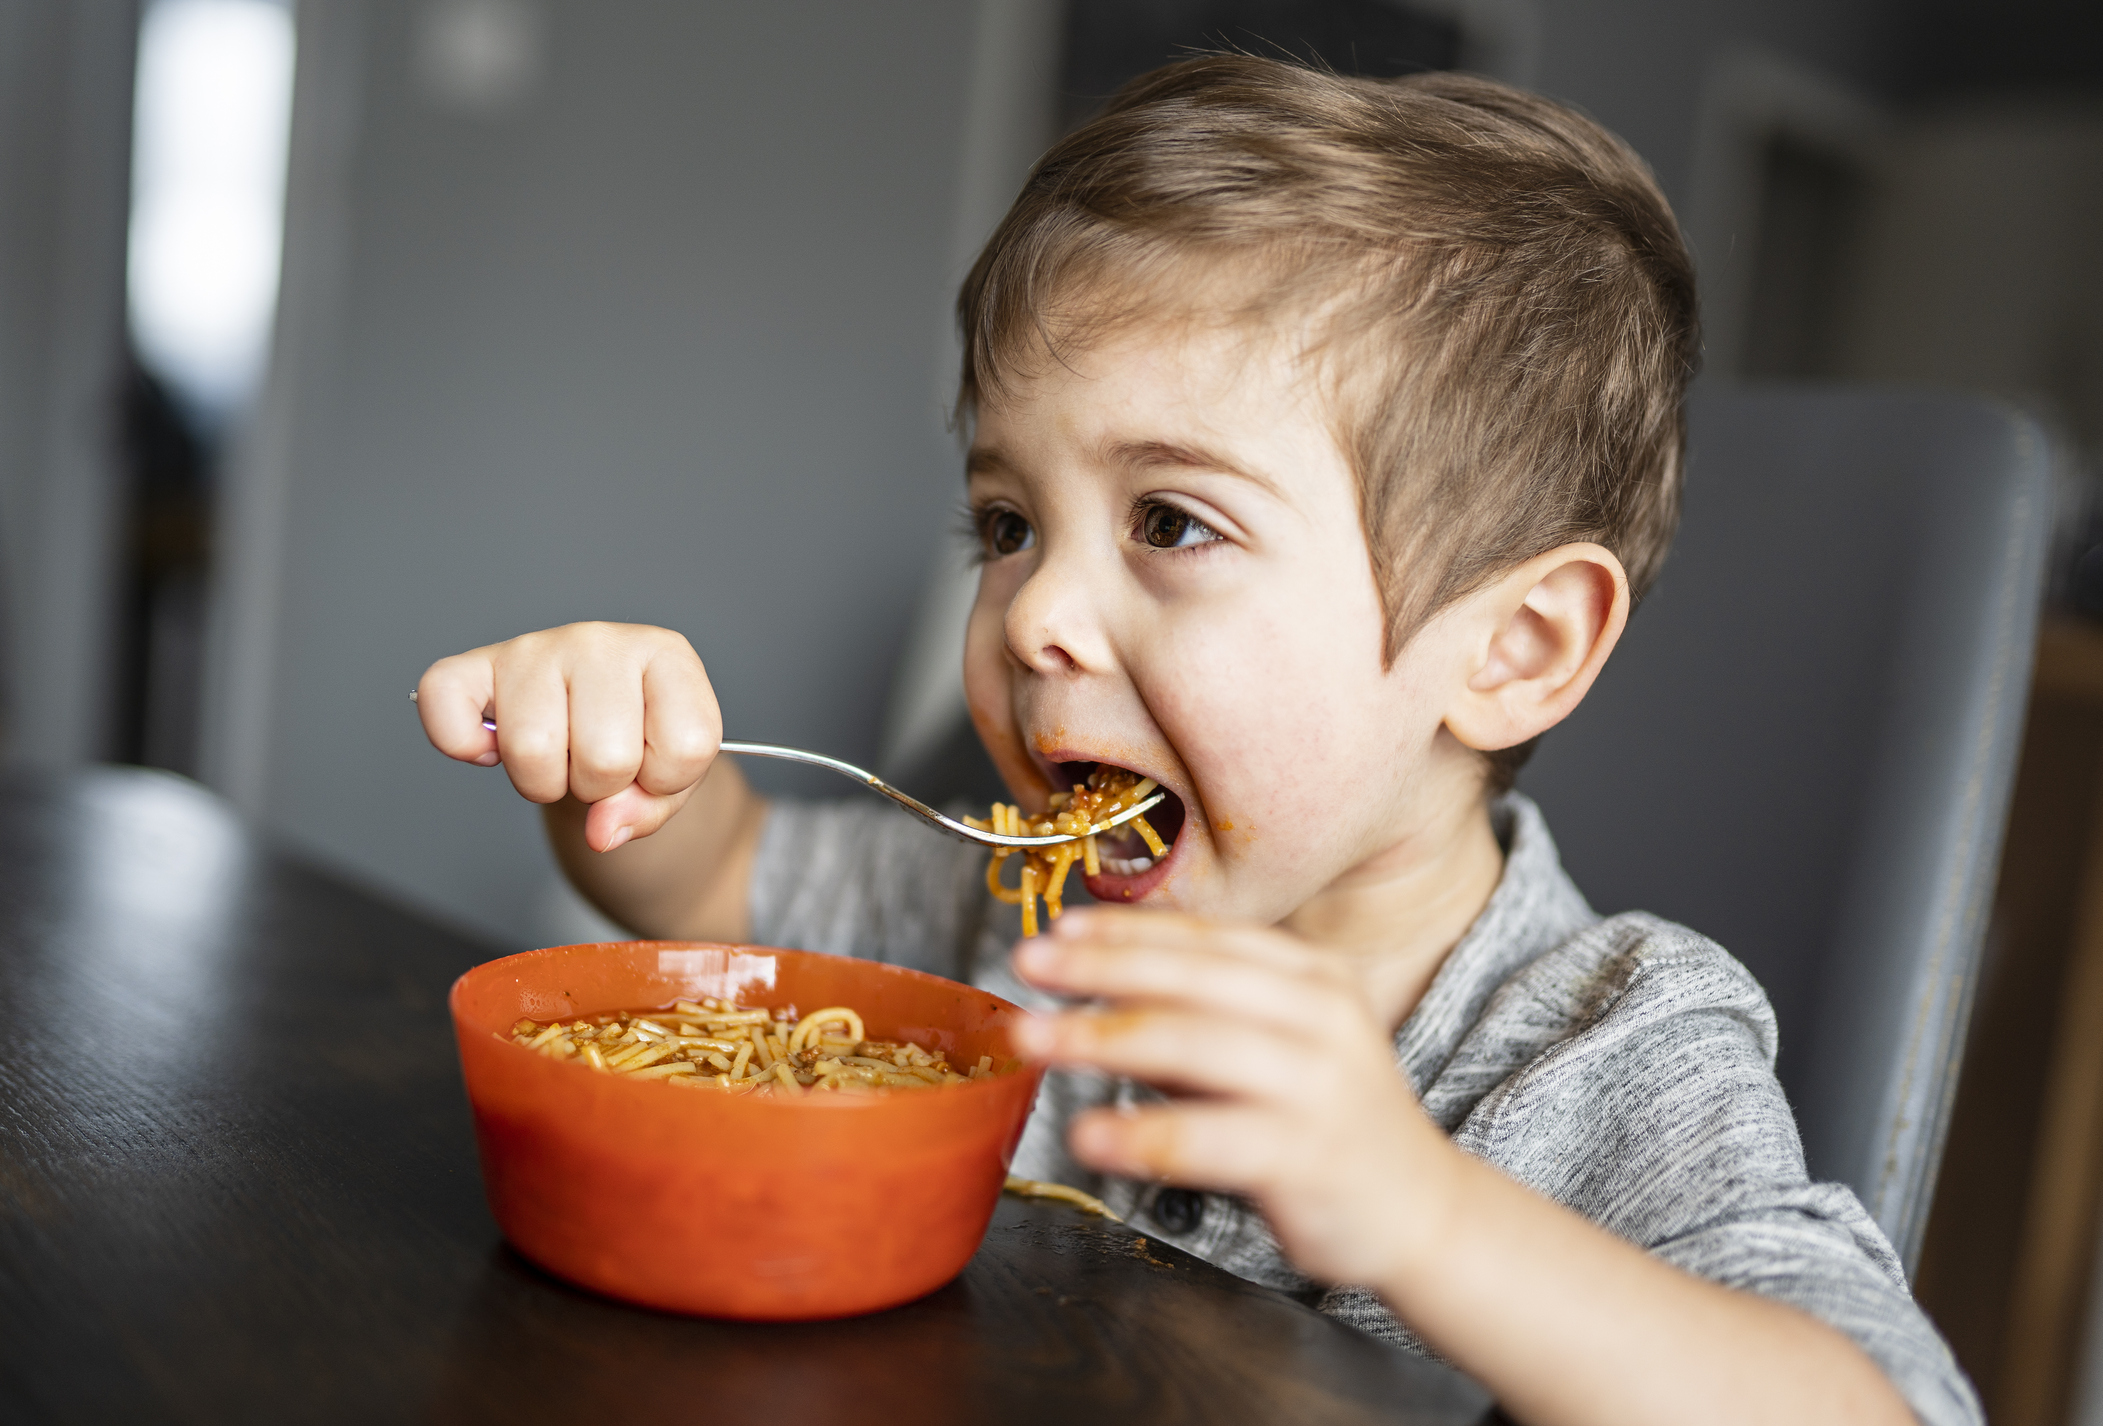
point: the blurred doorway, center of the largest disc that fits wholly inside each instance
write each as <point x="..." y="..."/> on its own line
<point x="211" y="111"/>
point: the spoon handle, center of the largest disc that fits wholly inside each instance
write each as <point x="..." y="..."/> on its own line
<point x="914" y="805"/>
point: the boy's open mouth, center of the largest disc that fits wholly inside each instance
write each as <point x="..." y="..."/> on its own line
<point x="1126" y="859"/>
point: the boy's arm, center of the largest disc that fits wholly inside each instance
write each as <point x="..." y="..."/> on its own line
<point x="1300" y="1109"/>
<point x="1567" y="1323"/>
<point x="615" y="730"/>
<point x="690" y="880"/>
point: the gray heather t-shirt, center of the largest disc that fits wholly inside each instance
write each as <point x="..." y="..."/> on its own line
<point x="1623" y="1067"/>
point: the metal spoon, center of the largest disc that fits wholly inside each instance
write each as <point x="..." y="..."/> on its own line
<point x="914" y="805"/>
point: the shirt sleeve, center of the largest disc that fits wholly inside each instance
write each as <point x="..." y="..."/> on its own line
<point x="1660" y="1119"/>
<point x="864" y="879"/>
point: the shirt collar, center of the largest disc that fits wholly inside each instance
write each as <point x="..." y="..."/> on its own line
<point x="1535" y="908"/>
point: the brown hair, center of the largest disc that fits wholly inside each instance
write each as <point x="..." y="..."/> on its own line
<point x="1506" y="306"/>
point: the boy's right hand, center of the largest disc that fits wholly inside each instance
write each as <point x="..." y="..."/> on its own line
<point x="619" y="716"/>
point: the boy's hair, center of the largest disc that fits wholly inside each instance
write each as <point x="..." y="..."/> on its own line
<point x="1501" y="299"/>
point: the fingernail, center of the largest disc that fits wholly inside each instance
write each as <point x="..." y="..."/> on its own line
<point x="1072" y="924"/>
<point x="619" y="838"/>
<point x="489" y="759"/>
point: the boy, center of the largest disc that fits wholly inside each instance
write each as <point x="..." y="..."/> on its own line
<point x="1323" y="433"/>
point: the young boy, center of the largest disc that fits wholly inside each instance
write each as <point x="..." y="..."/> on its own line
<point x="1323" y="433"/>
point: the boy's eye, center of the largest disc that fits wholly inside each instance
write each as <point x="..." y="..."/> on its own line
<point x="1006" y="532"/>
<point x="1167" y="527"/>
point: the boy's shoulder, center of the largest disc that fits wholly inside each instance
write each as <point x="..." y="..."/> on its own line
<point x="1622" y="1065"/>
<point x="1543" y="945"/>
<point x="1631" y="972"/>
<point x="1545" y="991"/>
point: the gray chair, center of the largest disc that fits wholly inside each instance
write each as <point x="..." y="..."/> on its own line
<point x="1806" y="744"/>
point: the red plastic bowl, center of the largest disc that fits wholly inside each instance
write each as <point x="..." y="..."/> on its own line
<point x="737" y="1206"/>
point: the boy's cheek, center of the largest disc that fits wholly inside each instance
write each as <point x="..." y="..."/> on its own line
<point x="1266" y="777"/>
<point x="987" y="697"/>
<point x="1277" y="831"/>
<point x="1025" y="782"/>
<point x="1300" y="766"/>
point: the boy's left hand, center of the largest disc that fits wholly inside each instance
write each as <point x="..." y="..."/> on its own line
<point x="1295" y="1098"/>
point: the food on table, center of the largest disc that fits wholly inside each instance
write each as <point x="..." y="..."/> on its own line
<point x="1037" y="1188"/>
<point x="722" y="1046"/>
<point x="1108" y="791"/>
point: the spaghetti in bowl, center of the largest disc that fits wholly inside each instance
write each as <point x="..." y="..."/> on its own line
<point x="775" y="1205"/>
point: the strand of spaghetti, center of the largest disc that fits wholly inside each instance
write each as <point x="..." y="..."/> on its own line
<point x="994" y="883"/>
<point x="1148" y="835"/>
<point x="1033" y="1188"/>
<point x="800" y="1037"/>
<point x="620" y="1057"/>
<point x="651" y="1055"/>
<point x="1062" y="863"/>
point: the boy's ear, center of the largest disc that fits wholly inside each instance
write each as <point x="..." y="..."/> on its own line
<point x="1533" y="642"/>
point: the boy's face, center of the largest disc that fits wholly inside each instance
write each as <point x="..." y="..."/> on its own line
<point x="1177" y="583"/>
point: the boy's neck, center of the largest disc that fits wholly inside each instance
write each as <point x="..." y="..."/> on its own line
<point x="1401" y="911"/>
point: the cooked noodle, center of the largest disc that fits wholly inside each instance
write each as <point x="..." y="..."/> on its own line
<point x="1108" y="791"/>
<point x="725" y="1047"/>
<point x="1086" y="1202"/>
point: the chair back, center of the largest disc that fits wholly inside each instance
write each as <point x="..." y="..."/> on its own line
<point x="1806" y="743"/>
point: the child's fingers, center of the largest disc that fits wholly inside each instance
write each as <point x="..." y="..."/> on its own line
<point x="532" y="702"/>
<point x="1224" y="1147"/>
<point x="1116" y="927"/>
<point x="605" y="691"/>
<point x="682" y="726"/>
<point x="1177" y="1049"/>
<point x="615" y="821"/>
<point x="1201" y="976"/>
<point x="450" y="701"/>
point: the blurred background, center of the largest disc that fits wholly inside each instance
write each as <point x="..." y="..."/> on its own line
<point x="341" y="335"/>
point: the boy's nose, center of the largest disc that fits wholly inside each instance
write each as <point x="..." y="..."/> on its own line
<point x="1053" y="626"/>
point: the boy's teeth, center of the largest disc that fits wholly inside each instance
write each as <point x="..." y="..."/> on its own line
<point x="1127" y="866"/>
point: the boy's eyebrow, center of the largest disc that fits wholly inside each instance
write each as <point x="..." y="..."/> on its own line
<point x="1146" y="453"/>
<point x="986" y="460"/>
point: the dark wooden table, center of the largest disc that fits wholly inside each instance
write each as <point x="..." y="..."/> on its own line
<point x="238" y="1183"/>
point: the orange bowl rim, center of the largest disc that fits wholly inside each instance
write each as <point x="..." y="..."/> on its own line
<point x="866" y="1101"/>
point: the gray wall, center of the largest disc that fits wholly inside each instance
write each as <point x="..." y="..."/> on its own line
<point x="655" y="341"/>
